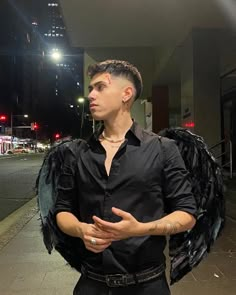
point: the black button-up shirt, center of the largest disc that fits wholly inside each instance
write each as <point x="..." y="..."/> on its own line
<point x="147" y="179"/>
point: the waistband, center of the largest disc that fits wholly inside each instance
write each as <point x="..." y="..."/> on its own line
<point x="122" y="280"/>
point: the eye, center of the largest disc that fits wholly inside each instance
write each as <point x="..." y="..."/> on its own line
<point x="100" y="87"/>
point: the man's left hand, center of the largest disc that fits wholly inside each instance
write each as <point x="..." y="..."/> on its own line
<point x="126" y="228"/>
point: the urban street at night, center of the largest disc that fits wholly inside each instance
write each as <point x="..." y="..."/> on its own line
<point x="117" y="147"/>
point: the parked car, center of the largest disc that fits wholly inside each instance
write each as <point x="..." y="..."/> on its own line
<point x="17" y="150"/>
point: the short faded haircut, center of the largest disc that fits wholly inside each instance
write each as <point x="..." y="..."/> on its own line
<point x="119" y="68"/>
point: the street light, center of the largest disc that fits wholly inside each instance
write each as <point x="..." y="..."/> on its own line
<point x="56" y="55"/>
<point x="81" y="100"/>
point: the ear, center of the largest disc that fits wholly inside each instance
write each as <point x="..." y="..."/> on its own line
<point x="128" y="93"/>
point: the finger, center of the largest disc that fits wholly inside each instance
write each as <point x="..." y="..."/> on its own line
<point x="97" y="247"/>
<point x="102" y="234"/>
<point x="104" y="224"/>
<point x="99" y="232"/>
<point x="100" y="229"/>
<point x="98" y="241"/>
<point x="121" y="213"/>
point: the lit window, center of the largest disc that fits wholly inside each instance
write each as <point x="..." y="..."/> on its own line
<point x="61" y="35"/>
<point x="45" y="34"/>
<point x="49" y="4"/>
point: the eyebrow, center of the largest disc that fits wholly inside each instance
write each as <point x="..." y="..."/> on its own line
<point x="91" y="86"/>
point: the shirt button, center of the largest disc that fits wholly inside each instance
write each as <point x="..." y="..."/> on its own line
<point x="107" y="195"/>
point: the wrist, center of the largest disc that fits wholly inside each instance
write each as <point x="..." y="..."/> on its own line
<point x="80" y="229"/>
<point x="142" y="229"/>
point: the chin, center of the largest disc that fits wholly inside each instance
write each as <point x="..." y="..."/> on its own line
<point x="98" y="117"/>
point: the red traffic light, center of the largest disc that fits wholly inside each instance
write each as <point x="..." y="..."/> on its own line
<point x="3" y="118"/>
<point x="57" y="135"/>
<point x="34" y="126"/>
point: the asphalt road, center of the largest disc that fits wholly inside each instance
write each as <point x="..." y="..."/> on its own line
<point x="17" y="178"/>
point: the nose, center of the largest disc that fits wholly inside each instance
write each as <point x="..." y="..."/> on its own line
<point x="91" y="95"/>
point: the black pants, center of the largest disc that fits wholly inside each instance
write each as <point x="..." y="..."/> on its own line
<point x="87" y="286"/>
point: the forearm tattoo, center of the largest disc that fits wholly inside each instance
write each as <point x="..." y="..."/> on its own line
<point x="166" y="227"/>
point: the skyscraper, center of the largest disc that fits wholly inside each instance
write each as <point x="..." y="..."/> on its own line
<point x="20" y="56"/>
<point x="61" y="82"/>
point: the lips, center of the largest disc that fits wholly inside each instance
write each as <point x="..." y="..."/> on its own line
<point x="92" y="105"/>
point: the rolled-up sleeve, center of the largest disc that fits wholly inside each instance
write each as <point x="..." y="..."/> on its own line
<point x="177" y="187"/>
<point x="66" y="186"/>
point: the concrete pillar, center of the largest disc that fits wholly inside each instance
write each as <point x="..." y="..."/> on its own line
<point x="160" y="111"/>
<point x="233" y="135"/>
<point x="174" y="105"/>
<point x="200" y="85"/>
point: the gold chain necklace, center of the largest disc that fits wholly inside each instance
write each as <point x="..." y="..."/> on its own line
<point x="112" y="140"/>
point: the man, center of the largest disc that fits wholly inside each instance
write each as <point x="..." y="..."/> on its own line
<point x="125" y="192"/>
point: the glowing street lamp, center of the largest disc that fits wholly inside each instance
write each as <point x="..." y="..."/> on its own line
<point x="56" y="55"/>
<point x="81" y="100"/>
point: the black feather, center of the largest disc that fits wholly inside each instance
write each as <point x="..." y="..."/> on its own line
<point x="46" y="184"/>
<point x="189" y="248"/>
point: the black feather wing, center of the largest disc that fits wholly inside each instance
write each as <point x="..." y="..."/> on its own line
<point x="46" y="185"/>
<point x="189" y="248"/>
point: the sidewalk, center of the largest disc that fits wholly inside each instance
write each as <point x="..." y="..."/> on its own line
<point x="27" y="269"/>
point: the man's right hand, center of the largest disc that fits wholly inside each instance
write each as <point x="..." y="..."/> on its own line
<point x="95" y="239"/>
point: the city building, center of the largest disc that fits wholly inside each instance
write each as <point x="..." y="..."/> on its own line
<point x="40" y="74"/>
<point x="62" y="75"/>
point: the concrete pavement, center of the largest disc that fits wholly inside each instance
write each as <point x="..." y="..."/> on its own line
<point x="27" y="269"/>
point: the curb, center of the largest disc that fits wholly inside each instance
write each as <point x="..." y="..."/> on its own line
<point x="13" y="223"/>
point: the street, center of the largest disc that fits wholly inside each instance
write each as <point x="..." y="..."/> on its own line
<point x="17" y="179"/>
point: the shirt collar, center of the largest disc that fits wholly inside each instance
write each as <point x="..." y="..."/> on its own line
<point x="135" y="130"/>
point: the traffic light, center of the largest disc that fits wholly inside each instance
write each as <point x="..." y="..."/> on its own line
<point x="57" y="135"/>
<point x="3" y="118"/>
<point x="34" y="126"/>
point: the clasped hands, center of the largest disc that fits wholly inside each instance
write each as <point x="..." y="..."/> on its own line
<point x="98" y="236"/>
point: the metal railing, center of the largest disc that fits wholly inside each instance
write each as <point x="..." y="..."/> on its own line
<point x="223" y="156"/>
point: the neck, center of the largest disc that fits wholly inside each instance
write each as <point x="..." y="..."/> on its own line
<point x="117" y="128"/>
